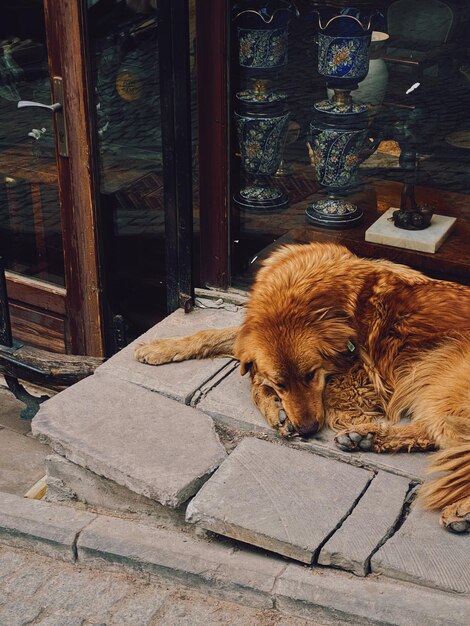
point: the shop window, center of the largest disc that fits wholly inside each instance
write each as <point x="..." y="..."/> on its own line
<point x="291" y="177"/>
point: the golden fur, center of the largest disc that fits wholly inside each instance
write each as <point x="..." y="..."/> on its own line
<point x="324" y="327"/>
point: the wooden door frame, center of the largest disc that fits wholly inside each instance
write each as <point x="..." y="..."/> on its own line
<point x="67" y="47"/>
<point x="212" y="96"/>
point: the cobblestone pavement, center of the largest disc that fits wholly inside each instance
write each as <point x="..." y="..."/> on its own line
<point x="36" y="590"/>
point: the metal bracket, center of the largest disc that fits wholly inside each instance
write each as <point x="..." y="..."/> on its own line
<point x="32" y="402"/>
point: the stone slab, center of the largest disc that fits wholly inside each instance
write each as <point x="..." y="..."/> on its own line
<point x="341" y="598"/>
<point x="428" y="240"/>
<point x="68" y="482"/>
<point x="423" y="552"/>
<point x="152" y="445"/>
<point x="22" y="461"/>
<point x="242" y="575"/>
<point x="175" y="380"/>
<point x="46" y="528"/>
<point x="229" y="402"/>
<point x="370" y="523"/>
<point x="277" y="498"/>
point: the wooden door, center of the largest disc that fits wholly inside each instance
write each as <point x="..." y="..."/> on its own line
<point x="48" y="221"/>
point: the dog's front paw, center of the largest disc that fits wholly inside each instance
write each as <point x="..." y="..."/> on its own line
<point x="456" y="518"/>
<point x="282" y="423"/>
<point x="154" y="353"/>
<point x="351" y="441"/>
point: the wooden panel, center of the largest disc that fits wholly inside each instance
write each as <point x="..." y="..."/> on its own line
<point x="36" y="292"/>
<point x="38" y="328"/>
<point x="65" y="26"/>
<point x="211" y="56"/>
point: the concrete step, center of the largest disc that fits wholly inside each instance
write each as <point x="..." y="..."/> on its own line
<point x="154" y="446"/>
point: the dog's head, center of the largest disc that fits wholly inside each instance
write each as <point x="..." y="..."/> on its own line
<point x="294" y="356"/>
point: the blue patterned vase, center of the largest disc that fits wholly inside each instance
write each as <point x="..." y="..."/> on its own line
<point x="338" y="147"/>
<point x="262" y="28"/>
<point x="343" y="48"/>
<point x="261" y="122"/>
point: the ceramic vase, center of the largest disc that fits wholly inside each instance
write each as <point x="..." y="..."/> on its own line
<point x="261" y="130"/>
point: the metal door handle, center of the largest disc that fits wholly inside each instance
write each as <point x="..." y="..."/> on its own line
<point x="58" y="109"/>
<point x="28" y="103"/>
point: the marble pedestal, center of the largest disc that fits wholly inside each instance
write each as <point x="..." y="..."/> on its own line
<point x="430" y="239"/>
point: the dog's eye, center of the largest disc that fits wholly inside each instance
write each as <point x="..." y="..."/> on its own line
<point x="310" y="376"/>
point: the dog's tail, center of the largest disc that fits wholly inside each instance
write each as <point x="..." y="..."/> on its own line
<point x="454" y="482"/>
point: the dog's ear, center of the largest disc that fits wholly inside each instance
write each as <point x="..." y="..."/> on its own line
<point x="245" y="367"/>
<point x="244" y="351"/>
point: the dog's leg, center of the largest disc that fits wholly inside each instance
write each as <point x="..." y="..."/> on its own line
<point x="383" y="437"/>
<point x="216" y="342"/>
<point x="450" y="490"/>
<point x="456" y="517"/>
<point x="270" y="406"/>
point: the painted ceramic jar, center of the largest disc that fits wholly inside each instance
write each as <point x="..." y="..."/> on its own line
<point x="262" y="31"/>
<point x="261" y="122"/>
<point x="339" y="144"/>
<point x="343" y="48"/>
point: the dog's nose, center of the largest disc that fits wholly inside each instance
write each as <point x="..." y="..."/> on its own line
<point x="310" y="429"/>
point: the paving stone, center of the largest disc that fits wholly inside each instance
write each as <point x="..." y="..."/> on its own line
<point x="239" y="575"/>
<point x="22" y="461"/>
<point x="371" y="521"/>
<point x="139" y="609"/>
<point x="83" y="593"/>
<point x="175" y="380"/>
<point x="229" y="402"/>
<point x="277" y="498"/>
<point x="152" y="445"/>
<point x="67" y="481"/>
<point x="40" y="526"/>
<point x="19" y="613"/>
<point x="423" y="552"/>
<point x="344" y="598"/>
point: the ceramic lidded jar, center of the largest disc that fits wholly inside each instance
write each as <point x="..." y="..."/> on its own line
<point x="338" y="145"/>
<point x="261" y="120"/>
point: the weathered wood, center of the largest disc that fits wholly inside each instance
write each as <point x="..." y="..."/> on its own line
<point x="65" y="27"/>
<point x="45" y="368"/>
<point x="37" y="293"/>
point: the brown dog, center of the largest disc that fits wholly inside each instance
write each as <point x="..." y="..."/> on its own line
<point x="313" y="310"/>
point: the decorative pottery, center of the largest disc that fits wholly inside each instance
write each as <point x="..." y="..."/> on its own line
<point x="371" y="90"/>
<point x="261" y="123"/>
<point x="343" y="49"/>
<point x="339" y="127"/>
<point x="262" y="29"/>
<point x="338" y="147"/>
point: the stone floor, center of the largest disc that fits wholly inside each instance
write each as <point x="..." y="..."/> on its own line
<point x="22" y="458"/>
<point x="181" y="449"/>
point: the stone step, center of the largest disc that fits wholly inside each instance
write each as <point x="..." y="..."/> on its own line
<point x="422" y="552"/>
<point x="277" y="498"/>
<point x="228" y="400"/>
<point x="154" y="446"/>
<point x="175" y="380"/>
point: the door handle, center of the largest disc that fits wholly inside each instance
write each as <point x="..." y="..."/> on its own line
<point x="58" y="109"/>
<point x="22" y="104"/>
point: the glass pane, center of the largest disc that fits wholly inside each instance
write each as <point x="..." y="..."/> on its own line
<point x="30" y="229"/>
<point x="335" y="113"/>
<point x="126" y="79"/>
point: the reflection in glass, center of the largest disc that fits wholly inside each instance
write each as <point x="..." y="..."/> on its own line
<point x="30" y="229"/>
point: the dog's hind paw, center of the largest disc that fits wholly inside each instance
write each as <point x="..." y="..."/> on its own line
<point x="456" y="518"/>
<point x="353" y="441"/>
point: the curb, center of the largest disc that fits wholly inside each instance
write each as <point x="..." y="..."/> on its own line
<point x="240" y="574"/>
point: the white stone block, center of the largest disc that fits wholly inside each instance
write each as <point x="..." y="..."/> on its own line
<point x="430" y="239"/>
